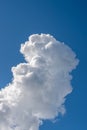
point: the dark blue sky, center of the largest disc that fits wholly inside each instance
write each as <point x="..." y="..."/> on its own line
<point x="66" y="20"/>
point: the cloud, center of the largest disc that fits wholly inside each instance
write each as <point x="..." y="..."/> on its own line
<point x="39" y="86"/>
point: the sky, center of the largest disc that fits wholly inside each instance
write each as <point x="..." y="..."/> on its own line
<point x="66" y="21"/>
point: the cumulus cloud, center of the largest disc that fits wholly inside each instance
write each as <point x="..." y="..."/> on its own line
<point x="39" y="86"/>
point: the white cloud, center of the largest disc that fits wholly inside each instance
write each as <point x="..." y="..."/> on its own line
<point x="39" y="86"/>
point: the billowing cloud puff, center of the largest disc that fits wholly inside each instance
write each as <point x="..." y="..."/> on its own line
<point x="39" y="86"/>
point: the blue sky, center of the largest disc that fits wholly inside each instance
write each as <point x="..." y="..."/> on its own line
<point x="65" y="20"/>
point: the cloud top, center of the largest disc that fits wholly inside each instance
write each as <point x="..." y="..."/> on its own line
<point x="39" y="86"/>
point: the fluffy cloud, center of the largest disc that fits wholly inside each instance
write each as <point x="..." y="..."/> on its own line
<point x="39" y="86"/>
